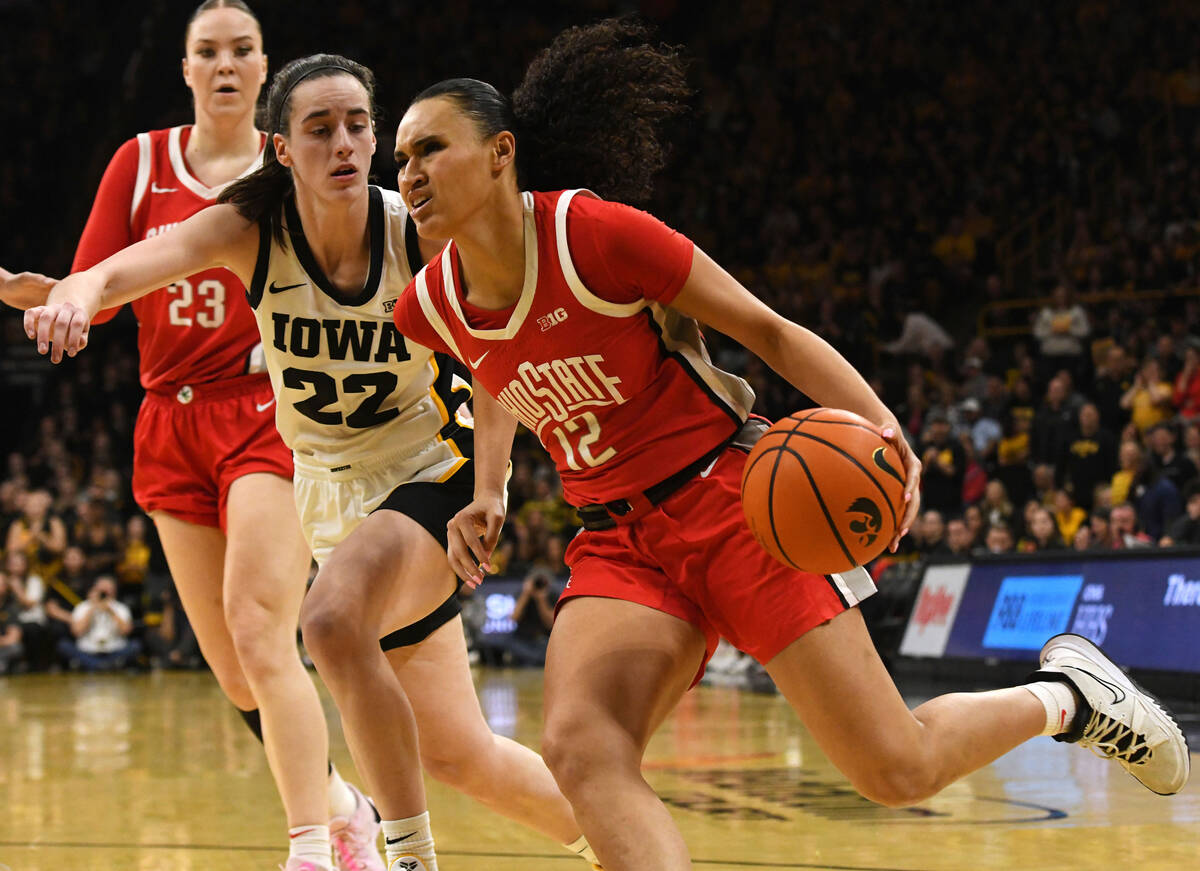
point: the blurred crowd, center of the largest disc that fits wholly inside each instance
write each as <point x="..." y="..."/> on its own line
<point x="860" y="166"/>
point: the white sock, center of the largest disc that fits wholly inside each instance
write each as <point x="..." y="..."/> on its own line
<point x="582" y="848"/>
<point x="310" y="843"/>
<point x="1060" y="703"/>
<point x="342" y="801"/>
<point x="410" y="838"/>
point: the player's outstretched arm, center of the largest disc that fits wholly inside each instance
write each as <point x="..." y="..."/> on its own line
<point x="216" y="236"/>
<point x="813" y="366"/>
<point x="24" y="290"/>
<point x="472" y="533"/>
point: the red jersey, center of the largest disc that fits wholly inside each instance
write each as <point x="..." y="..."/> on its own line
<point x="616" y="385"/>
<point x="201" y="328"/>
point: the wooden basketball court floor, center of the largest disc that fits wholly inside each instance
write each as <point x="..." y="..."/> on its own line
<point x="156" y="773"/>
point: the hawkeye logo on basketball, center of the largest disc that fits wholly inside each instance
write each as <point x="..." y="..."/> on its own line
<point x="866" y="527"/>
<point x="555" y="393"/>
<point x="553" y="319"/>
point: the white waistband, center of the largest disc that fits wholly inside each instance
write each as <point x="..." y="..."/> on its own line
<point x="358" y="467"/>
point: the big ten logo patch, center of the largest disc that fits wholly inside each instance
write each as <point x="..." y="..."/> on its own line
<point x="553" y="319"/>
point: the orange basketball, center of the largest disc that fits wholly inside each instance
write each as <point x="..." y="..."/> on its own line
<point x="823" y="491"/>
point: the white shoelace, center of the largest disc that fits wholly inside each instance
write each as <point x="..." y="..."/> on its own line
<point x="1112" y="739"/>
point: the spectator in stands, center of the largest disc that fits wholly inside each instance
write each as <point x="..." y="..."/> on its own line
<point x="1090" y="458"/>
<point x="945" y="464"/>
<point x="1129" y="463"/>
<point x="1186" y="528"/>
<point x="1061" y="326"/>
<point x="98" y="536"/>
<point x="984" y="432"/>
<point x="1055" y="421"/>
<point x="1113" y="379"/>
<point x="1100" y="523"/>
<point x="1148" y="399"/>
<point x="1012" y="456"/>
<point x="959" y="540"/>
<point x="65" y="592"/>
<point x="1186" y="395"/>
<point x="929" y="534"/>
<point x="134" y="564"/>
<point x="101" y="628"/>
<point x="1125" y="533"/>
<point x="11" y="650"/>
<point x="1068" y="516"/>
<point x="1043" y="484"/>
<point x="995" y="505"/>
<point x="30" y="593"/>
<point x="1191" y="442"/>
<point x="168" y="636"/>
<point x="1042" y="533"/>
<point x="1165" y="460"/>
<point x="976" y="525"/>
<point x="42" y="536"/>
<point x="534" y="616"/>
<point x="999" y="539"/>
<point x="1153" y="494"/>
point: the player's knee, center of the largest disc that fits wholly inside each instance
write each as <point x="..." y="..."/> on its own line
<point x="576" y="752"/>
<point x="326" y="629"/>
<point x="252" y="625"/>
<point x="901" y="784"/>
<point x="458" y="768"/>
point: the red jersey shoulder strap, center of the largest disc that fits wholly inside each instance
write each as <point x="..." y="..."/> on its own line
<point x="585" y="297"/>
<point x="142" y="182"/>
<point x="431" y="310"/>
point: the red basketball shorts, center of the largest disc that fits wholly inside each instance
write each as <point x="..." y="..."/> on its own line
<point x="694" y="557"/>
<point x="189" y="446"/>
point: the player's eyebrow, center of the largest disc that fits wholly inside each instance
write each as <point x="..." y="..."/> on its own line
<point x="400" y="153"/>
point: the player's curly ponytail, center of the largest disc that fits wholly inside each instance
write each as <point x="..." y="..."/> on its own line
<point x="591" y="107"/>
<point x="259" y="196"/>
<point x="589" y="112"/>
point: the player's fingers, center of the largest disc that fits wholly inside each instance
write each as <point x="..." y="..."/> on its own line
<point x="42" y="321"/>
<point x="495" y="521"/>
<point x="459" y="555"/>
<point x="31" y="319"/>
<point x="66" y="324"/>
<point x="76" y="329"/>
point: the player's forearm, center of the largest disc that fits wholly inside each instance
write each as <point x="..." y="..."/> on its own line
<point x="494" y="430"/>
<point x="816" y="368"/>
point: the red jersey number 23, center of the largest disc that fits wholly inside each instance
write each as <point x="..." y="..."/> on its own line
<point x="202" y="304"/>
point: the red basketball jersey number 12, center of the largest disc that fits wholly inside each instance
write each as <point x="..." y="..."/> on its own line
<point x="574" y="428"/>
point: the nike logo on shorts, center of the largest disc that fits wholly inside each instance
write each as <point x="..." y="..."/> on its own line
<point x="265" y="405"/>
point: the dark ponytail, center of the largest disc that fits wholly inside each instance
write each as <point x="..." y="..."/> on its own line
<point x="589" y="112"/>
<point x="259" y="196"/>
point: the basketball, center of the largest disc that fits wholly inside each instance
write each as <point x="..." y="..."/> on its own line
<point x="823" y="490"/>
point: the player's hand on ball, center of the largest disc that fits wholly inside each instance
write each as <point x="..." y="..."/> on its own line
<point x="912" y="480"/>
<point x="58" y="327"/>
<point x="471" y="536"/>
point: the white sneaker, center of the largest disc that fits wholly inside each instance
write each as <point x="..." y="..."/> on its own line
<point x="1117" y="719"/>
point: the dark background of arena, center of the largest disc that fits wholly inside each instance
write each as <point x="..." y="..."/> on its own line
<point x="911" y="180"/>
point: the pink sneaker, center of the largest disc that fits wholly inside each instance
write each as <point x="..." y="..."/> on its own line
<point x="355" y="837"/>
<point x="294" y="864"/>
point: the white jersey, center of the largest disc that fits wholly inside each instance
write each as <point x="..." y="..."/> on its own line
<point x="348" y="386"/>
